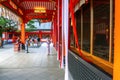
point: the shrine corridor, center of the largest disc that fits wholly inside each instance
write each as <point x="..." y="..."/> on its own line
<point x="36" y="65"/>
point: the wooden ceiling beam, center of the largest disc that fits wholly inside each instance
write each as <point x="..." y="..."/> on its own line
<point x="36" y="0"/>
<point x="39" y="17"/>
<point x="7" y="5"/>
<point x="48" y="14"/>
<point x="32" y="11"/>
<point x="43" y="18"/>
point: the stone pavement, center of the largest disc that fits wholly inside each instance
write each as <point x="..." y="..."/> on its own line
<point x="36" y="65"/>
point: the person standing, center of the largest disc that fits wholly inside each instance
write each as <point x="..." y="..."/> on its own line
<point x="38" y="41"/>
<point x="18" y="43"/>
<point x="1" y="42"/>
<point x="48" y="42"/>
<point x="26" y="45"/>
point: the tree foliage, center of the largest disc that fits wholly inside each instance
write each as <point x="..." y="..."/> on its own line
<point x="7" y="25"/>
<point x="30" y="26"/>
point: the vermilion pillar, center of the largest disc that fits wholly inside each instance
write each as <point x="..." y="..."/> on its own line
<point x="23" y="33"/>
<point x="53" y="32"/>
<point x="116" y="69"/>
<point x="40" y="34"/>
<point x="74" y="25"/>
<point x="58" y="29"/>
<point x="62" y="40"/>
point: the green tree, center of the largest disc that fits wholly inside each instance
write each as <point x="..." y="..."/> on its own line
<point x="11" y="26"/>
<point x="7" y="25"/>
<point x="3" y="21"/>
<point x="2" y="24"/>
<point x="30" y="26"/>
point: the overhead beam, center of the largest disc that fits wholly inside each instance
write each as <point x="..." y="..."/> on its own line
<point x="28" y="11"/>
<point x="39" y="17"/>
<point x="2" y="1"/>
<point x="36" y="0"/>
<point x="7" y="5"/>
<point x="18" y="4"/>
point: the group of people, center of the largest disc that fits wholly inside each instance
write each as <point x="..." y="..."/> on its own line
<point x="34" y="42"/>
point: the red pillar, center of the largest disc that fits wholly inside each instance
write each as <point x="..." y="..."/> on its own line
<point x="58" y="29"/>
<point x="62" y="40"/>
<point x="116" y="69"/>
<point x="55" y="29"/>
<point x="74" y="29"/>
<point x="23" y="33"/>
<point x="53" y="32"/>
<point x="74" y="25"/>
<point x="40" y="34"/>
<point x="69" y="33"/>
<point x="13" y="38"/>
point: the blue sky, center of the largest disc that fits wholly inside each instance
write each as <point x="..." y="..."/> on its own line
<point x="46" y="25"/>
